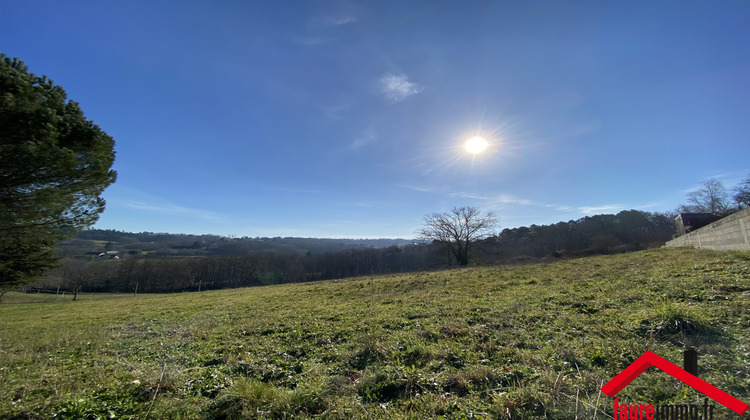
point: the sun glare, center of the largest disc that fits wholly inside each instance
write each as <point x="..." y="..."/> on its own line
<point x="476" y="145"/>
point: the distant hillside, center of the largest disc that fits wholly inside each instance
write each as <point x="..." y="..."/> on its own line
<point x="113" y="261"/>
<point x="628" y="230"/>
<point x="600" y="234"/>
<point x="95" y="241"/>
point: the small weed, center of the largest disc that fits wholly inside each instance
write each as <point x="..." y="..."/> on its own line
<point x="413" y="353"/>
<point x="382" y="386"/>
<point x="208" y="385"/>
<point x="477" y="380"/>
<point x="245" y="398"/>
<point x="597" y="358"/>
<point x="370" y="351"/>
<point x="521" y="404"/>
<point x="107" y="403"/>
<point x="668" y="319"/>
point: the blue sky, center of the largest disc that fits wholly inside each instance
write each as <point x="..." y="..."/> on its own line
<point x="347" y="118"/>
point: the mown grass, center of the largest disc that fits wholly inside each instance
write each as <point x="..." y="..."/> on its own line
<point x="526" y="341"/>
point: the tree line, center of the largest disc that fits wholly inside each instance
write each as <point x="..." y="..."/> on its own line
<point x="628" y="230"/>
<point x="185" y="245"/>
<point x="624" y="231"/>
<point x="133" y="274"/>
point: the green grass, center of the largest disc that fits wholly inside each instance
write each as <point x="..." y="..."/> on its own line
<point x="526" y="341"/>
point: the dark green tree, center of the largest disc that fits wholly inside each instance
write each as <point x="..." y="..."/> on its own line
<point x="54" y="165"/>
<point x="458" y="230"/>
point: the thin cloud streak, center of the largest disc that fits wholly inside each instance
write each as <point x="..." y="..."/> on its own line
<point x="340" y="20"/>
<point x="468" y="195"/>
<point x="299" y="190"/>
<point x="312" y="40"/>
<point x="602" y="209"/>
<point x="367" y="137"/>
<point x="513" y="200"/>
<point x="509" y="199"/>
<point x="398" y="88"/>
<point x="427" y="189"/>
<point x="335" y="112"/>
<point x="174" y="209"/>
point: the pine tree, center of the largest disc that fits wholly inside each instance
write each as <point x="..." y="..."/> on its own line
<point x="54" y="165"/>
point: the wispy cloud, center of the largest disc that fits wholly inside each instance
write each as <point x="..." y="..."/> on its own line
<point x="559" y="207"/>
<point x="339" y="20"/>
<point x="327" y="21"/>
<point x="501" y="200"/>
<point x="491" y="200"/>
<point x="596" y="209"/>
<point x="424" y="189"/>
<point x="513" y="200"/>
<point x="174" y="209"/>
<point x="468" y="195"/>
<point x="335" y="112"/>
<point x="299" y="190"/>
<point x="312" y="40"/>
<point x="509" y="199"/>
<point x="367" y="137"/>
<point x="321" y="29"/>
<point x="397" y="88"/>
<point x="602" y="209"/>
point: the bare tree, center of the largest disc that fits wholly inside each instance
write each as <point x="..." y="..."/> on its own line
<point x="457" y="230"/>
<point x="75" y="275"/>
<point x="742" y="194"/>
<point x="711" y="197"/>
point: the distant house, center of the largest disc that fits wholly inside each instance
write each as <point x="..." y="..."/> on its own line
<point x="113" y="255"/>
<point x="688" y="222"/>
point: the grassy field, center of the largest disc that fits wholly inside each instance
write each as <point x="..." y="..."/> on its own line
<point x="524" y="341"/>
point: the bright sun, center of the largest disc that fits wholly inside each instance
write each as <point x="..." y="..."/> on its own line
<point x="476" y="145"/>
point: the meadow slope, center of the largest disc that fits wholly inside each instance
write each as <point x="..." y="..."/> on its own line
<point x="522" y="341"/>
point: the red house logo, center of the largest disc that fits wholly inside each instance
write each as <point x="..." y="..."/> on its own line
<point x="649" y="359"/>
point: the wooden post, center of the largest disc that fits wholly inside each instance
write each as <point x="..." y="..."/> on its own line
<point x="690" y="361"/>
